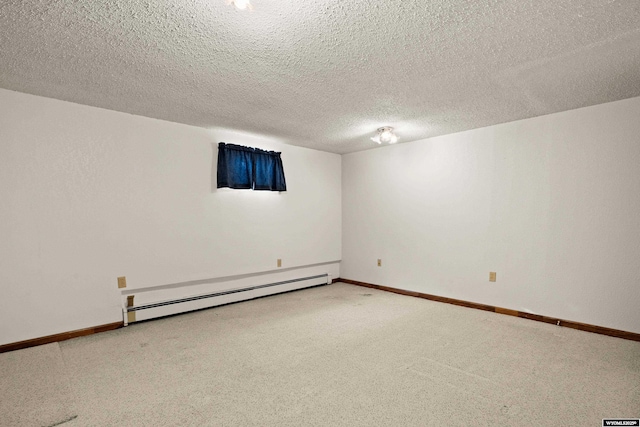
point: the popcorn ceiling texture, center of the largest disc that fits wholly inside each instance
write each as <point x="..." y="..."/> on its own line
<point x="325" y="74"/>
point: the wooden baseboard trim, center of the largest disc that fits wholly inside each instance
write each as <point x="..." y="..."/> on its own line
<point x="560" y="322"/>
<point x="59" y="337"/>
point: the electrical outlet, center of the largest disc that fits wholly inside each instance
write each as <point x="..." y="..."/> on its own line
<point x="279" y="262"/>
<point x="122" y="282"/>
<point x="379" y="263"/>
<point x="492" y="276"/>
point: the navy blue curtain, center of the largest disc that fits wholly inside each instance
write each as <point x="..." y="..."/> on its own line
<point x="245" y="167"/>
<point x="235" y="166"/>
<point x="268" y="171"/>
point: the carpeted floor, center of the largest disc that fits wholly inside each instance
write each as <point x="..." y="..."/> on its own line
<point x="337" y="355"/>
<point x="35" y="388"/>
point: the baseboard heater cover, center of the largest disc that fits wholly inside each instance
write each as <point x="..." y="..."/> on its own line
<point x="129" y="312"/>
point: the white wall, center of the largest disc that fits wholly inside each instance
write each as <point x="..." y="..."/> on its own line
<point x="87" y="195"/>
<point x="552" y="204"/>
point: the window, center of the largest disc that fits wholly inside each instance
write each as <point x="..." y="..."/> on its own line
<point x="249" y="168"/>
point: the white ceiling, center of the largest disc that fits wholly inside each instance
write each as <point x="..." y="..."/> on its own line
<point x="325" y="74"/>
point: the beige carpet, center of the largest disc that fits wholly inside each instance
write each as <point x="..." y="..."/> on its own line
<point x="34" y="387"/>
<point x="337" y="355"/>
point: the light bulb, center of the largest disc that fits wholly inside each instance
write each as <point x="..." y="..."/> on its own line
<point x="241" y="4"/>
<point x="385" y="135"/>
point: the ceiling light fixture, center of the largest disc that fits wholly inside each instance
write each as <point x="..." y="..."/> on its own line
<point x="386" y="135"/>
<point x="241" y="4"/>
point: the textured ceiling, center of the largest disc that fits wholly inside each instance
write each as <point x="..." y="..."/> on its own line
<point x="325" y="74"/>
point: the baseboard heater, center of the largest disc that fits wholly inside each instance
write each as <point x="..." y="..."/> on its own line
<point x="133" y="313"/>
